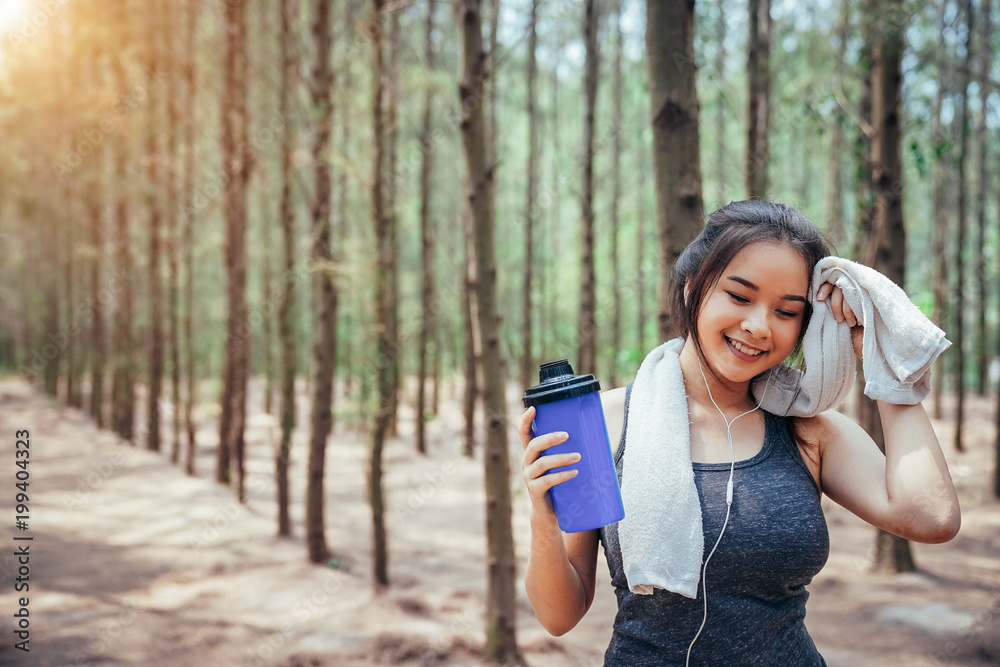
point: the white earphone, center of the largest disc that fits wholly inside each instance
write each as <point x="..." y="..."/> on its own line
<point x="729" y="494"/>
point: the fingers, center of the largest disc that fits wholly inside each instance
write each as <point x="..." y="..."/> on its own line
<point x="841" y="311"/>
<point x="524" y="428"/>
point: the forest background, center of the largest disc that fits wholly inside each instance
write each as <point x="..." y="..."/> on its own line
<point x="362" y="205"/>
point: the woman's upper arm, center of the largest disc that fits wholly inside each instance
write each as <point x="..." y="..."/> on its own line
<point x="581" y="549"/>
<point x="852" y="468"/>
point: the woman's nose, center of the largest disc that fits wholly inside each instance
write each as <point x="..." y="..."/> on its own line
<point x="756" y="325"/>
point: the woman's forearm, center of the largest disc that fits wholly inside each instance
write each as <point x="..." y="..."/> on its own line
<point x="553" y="585"/>
<point x="917" y="480"/>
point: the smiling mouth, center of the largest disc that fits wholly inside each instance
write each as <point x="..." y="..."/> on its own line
<point x="740" y="347"/>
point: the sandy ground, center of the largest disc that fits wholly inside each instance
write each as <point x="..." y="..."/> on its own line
<point x="133" y="563"/>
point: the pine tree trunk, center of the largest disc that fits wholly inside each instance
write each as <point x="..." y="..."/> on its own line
<point x="52" y="312"/>
<point x="122" y="389"/>
<point x="640" y="256"/>
<point x="391" y="132"/>
<point x="527" y="360"/>
<point x="721" y="182"/>
<point x="286" y="322"/>
<point x="616" y="188"/>
<point x="74" y="350"/>
<point x="834" y="170"/>
<point x="587" y="322"/>
<point x="887" y="244"/>
<point x="173" y="232"/>
<point x="322" y="386"/>
<point x="962" y="226"/>
<point x="153" y="161"/>
<point x="501" y="644"/>
<point x="676" y="157"/>
<point x="97" y="359"/>
<point x="986" y="56"/>
<point x="383" y="296"/>
<point x="943" y="161"/>
<point x="236" y="160"/>
<point x="266" y="283"/>
<point x="472" y="349"/>
<point x="758" y="106"/>
<point x="428" y="326"/>
<point x="188" y="239"/>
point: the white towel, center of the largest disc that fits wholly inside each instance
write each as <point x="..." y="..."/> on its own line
<point x="661" y="536"/>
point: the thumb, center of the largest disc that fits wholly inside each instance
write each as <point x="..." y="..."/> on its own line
<point x="857" y="338"/>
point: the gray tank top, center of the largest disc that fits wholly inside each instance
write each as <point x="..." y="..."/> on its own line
<point x="776" y="541"/>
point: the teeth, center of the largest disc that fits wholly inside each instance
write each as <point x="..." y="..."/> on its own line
<point x="743" y="348"/>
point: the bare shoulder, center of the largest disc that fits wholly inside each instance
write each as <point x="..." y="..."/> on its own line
<point x="827" y="427"/>
<point x="613" y="402"/>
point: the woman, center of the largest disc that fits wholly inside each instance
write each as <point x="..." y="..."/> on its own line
<point x="741" y="302"/>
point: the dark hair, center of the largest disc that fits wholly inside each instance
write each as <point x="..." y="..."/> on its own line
<point x="728" y="231"/>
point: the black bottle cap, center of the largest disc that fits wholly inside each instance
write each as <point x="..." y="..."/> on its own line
<point x="556" y="382"/>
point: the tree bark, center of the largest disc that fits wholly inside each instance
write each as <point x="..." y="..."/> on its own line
<point x="587" y="320"/>
<point x="391" y="83"/>
<point x="986" y="60"/>
<point x="122" y="388"/>
<point x="286" y="322"/>
<point x="236" y="161"/>
<point x="324" y="336"/>
<point x="721" y="182"/>
<point x="887" y="243"/>
<point x="153" y="159"/>
<point x="428" y="327"/>
<point x="676" y="157"/>
<point x="962" y="228"/>
<point x="501" y="644"/>
<point x="383" y="295"/>
<point x="758" y="105"/>
<point x="172" y="230"/>
<point x="943" y="162"/>
<point x="616" y="188"/>
<point x="191" y="90"/>
<point x="835" y="172"/>
<point x="527" y="359"/>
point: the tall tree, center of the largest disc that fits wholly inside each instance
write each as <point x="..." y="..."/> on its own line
<point x="96" y="203"/>
<point x="428" y="327"/>
<point x="391" y="83"/>
<point x="171" y="223"/>
<point x="501" y="643"/>
<point x="190" y="120"/>
<point x="616" y="188"/>
<point x="676" y="157"/>
<point x="383" y="237"/>
<point x="587" y="320"/>
<point x="123" y="384"/>
<point x="286" y="310"/>
<point x="325" y="336"/>
<point x="721" y="183"/>
<point x="835" y="171"/>
<point x="527" y="360"/>
<point x="236" y="160"/>
<point x="153" y="160"/>
<point x="962" y="227"/>
<point x="887" y="243"/>
<point x="985" y="60"/>
<point x="943" y="162"/>
<point x="758" y="102"/>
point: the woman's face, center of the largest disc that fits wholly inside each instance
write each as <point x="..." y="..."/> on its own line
<point x="751" y="319"/>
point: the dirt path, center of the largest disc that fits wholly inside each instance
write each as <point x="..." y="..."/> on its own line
<point x="133" y="563"/>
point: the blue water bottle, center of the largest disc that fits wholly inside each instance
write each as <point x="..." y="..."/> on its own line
<point x="570" y="403"/>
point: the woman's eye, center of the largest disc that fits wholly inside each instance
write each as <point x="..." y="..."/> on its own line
<point x="737" y="298"/>
<point x="786" y="313"/>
